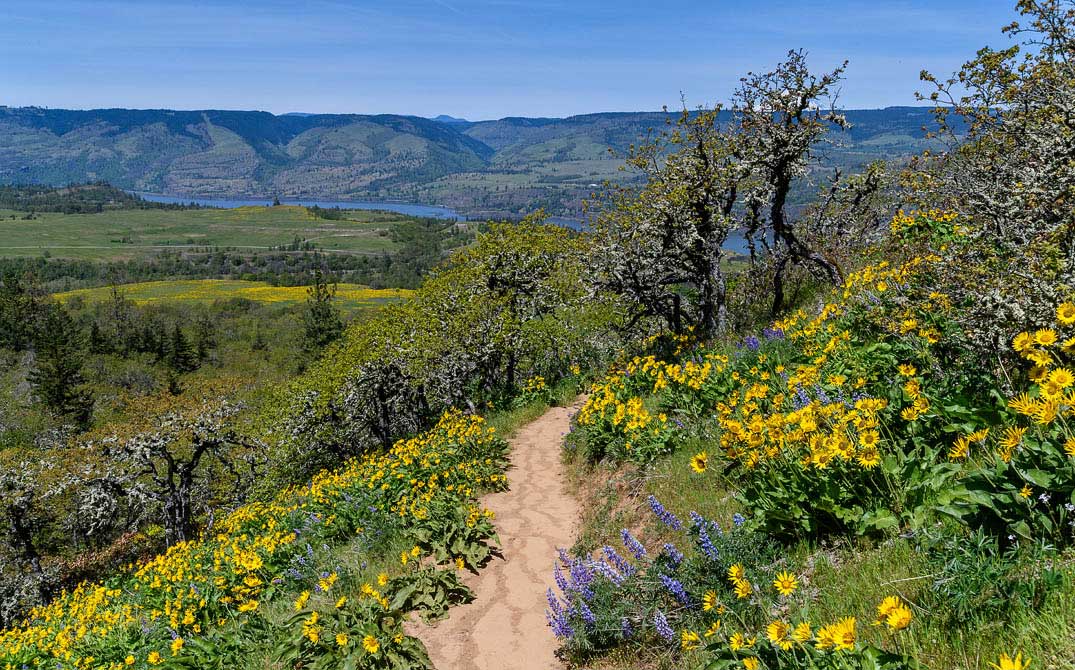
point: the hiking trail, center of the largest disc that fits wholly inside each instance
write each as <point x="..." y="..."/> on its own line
<point x="504" y="628"/>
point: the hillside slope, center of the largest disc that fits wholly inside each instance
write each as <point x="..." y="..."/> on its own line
<point x="494" y="168"/>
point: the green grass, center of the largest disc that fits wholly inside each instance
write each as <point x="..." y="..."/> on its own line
<point x="848" y="578"/>
<point x="349" y="297"/>
<point x="128" y="234"/>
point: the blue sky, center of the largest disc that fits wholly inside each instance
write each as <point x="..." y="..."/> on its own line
<point x="473" y="58"/>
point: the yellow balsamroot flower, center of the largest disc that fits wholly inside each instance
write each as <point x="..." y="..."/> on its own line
<point x="341" y="639"/>
<point x="689" y="640"/>
<point x="248" y="606"/>
<point x="177" y="646"/>
<point x="1023" y="342"/>
<point x="341" y="601"/>
<point x="786" y="583"/>
<point x="382" y="579"/>
<point x="129" y="660"/>
<point x="1025" y="492"/>
<point x="1065" y="314"/>
<point x="736" y="572"/>
<point x="960" y="449"/>
<point x="887" y="605"/>
<point x="750" y="663"/>
<point x="1069" y="447"/>
<point x="802" y="633"/>
<point x="779" y="634"/>
<point x="300" y="602"/>
<point x="842" y="634"/>
<point x="868" y="457"/>
<point x="743" y="589"/>
<point x="371" y="644"/>
<point x="713" y="629"/>
<point x="906" y="370"/>
<point x="709" y="601"/>
<point x="1062" y="377"/>
<point x="739" y="641"/>
<point x="699" y="462"/>
<point x="1045" y="337"/>
<point x="154" y="658"/>
<point x="899" y="618"/>
<point x="869" y="438"/>
<point x="1008" y="663"/>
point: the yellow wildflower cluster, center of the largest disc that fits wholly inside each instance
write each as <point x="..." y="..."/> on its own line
<point x="205" y="582"/>
<point x="535" y="384"/>
<point x="209" y="290"/>
<point x="761" y="423"/>
<point x="904" y="222"/>
<point x="786" y="633"/>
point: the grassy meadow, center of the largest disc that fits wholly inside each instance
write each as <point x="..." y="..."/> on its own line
<point x="349" y="297"/>
<point x="137" y="233"/>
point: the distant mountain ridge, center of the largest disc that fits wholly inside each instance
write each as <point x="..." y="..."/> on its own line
<point x="494" y="168"/>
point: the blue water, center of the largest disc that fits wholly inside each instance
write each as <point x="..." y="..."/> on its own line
<point x="398" y="207"/>
<point x="734" y="243"/>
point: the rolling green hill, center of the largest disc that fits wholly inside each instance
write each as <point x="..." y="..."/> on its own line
<point x="486" y="168"/>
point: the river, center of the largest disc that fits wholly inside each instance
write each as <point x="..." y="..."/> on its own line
<point x="734" y="243"/>
<point x="398" y="207"/>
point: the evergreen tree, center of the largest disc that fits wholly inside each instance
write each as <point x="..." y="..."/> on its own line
<point x="57" y="375"/>
<point x="99" y="344"/>
<point x="204" y="337"/>
<point x="322" y="318"/>
<point x="259" y="343"/>
<point x="180" y="354"/>
<point x="17" y="312"/>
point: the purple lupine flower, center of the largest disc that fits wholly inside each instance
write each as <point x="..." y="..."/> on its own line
<point x="660" y="622"/>
<point x="554" y="602"/>
<point x="751" y="343"/>
<point x="620" y="563"/>
<point x="564" y="558"/>
<point x="773" y="334"/>
<point x="801" y="399"/>
<point x="672" y="553"/>
<point x="738" y="519"/>
<point x="675" y="587"/>
<point x="561" y="581"/>
<point x="557" y="617"/>
<point x="608" y="572"/>
<point x="626" y="631"/>
<point x="704" y="541"/>
<point x="561" y="627"/>
<point x="581" y="578"/>
<point x="586" y="613"/>
<point x="821" y="395"/>
<point x="666" y="517"/>
<point x="632" y="544"/>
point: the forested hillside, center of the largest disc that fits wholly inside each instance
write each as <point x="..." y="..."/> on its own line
<point x="487" y="168"/>
<point x="850" y="449"/>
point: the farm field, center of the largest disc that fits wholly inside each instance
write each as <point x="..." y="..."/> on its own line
<point x="349" y="297"/>
<point x="129" y="234"/>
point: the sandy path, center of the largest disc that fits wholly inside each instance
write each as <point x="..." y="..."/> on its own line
<point x="504" y="628"/>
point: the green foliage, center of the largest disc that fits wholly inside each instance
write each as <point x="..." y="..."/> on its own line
<point x="977" y="581"/>
<point x="57" y="376"/>
<point x="453" y="533"/>
<point x="321" y="320"/>
<point x="428" y="591"/>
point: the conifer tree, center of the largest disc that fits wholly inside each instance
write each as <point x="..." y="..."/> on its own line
<point x="180" y="354"/>
<point x="57" y="374"/>
<point x="204" y="337"/>
<point x="322" y="318"/>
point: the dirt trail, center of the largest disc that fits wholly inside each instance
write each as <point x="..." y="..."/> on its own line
<point x="504" y="628"/>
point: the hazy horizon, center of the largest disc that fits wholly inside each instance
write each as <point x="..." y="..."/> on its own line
<point x="475" y="59"/>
